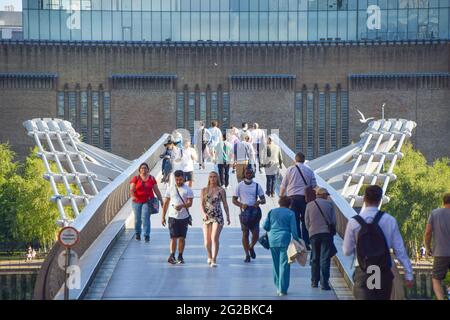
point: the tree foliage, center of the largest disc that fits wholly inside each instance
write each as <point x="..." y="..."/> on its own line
<point x="416" y="192"/>
<point x="26" y="214"/>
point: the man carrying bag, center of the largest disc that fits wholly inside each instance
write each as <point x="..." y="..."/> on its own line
<point x="246" y="198"/>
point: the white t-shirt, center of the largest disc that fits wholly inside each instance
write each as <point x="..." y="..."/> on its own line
<point x="177" y="162"/>
<point x="246" y="193"/>
<point x="188" y="163"/>
<point x="175" y="200"/>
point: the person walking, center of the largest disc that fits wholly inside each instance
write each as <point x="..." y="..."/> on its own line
<point x="167" y="160"/>
<point x="438" y="230"/>
<point x="244" y="157"/>
<point x="371" y="235"/>
<point x="258" y="139"/>
<point x="223" y="158"/>
<point x="246" y="198"/>
<point x="293" y="185"/>
<point x="211" y="198"/>
<point x="143" y="188"/>
<point x="202" y="139"/>
<point x="320" y="220"/>
<point x="178" y="199"/>
<point x="273" y="161"/>
<point x="281" y="227"/>
<point x="188" y="156"/>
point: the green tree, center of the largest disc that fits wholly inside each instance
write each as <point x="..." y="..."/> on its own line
<point x="35" y="216"/>
<point x="8" y="175"/>
<point x="416" y="192"/>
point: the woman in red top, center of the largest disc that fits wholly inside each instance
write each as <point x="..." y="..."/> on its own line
<point x="142" y="189"/>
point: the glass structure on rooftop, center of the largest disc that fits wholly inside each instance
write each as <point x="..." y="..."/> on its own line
<point x="235" y="20"/>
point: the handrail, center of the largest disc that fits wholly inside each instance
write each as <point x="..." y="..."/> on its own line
<point x="93" y="220"/>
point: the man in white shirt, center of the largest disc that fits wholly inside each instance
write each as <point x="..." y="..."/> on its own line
<point x="293" y="186"/>
<point x="188" y="156"/>
<point x="202" y="139"/>
<point x="244" y="156"/>
<point x="259" y="141"/>
<point x="178" y="199"/>
<point x="362" y="288"/>
<point x="246" y="198"/>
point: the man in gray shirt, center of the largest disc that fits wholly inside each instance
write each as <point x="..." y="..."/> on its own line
<point x="318" y="216"/>
<point x="438" y="228"/>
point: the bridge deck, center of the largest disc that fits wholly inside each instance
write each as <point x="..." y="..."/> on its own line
<point x="138" y="270"/>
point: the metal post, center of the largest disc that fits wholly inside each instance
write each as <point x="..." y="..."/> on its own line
<point x="66" y="277"/>
<point x="382" y="110"/>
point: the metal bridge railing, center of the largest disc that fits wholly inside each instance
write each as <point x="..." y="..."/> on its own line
<point x="95" y="217"/>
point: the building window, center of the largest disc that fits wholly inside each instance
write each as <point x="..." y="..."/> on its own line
<point x="310" y="126"/>
<point x="333" y="122"/>
<point x="95" y="119"/>
<point x="298" y="122"/>
<point x="225" y="111"/>
<point x="60" y="111"/>
<point x="191" y="112"/>
<point x="203" y="106"/>
<point x="84" y="116"/>
<point x="322" y="123"/>
<point x="107" y="121"/>
<point x="214" y="107"/>
<point x="72" y="100"/>
<point x="180" y="110"/>
<point x="344" y="118"/>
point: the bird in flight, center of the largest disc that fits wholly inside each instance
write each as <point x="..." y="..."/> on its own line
<point x="363" y="118"/>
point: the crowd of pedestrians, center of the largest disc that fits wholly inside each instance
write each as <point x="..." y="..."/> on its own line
<point x="305" y="215"/>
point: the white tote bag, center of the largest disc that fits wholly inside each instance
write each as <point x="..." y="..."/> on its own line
<point x="297" y="252"/>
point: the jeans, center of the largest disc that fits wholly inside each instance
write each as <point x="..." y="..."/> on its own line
<point x="362" y="292"/>
<point x="270" y="184"/>
<point x="141" y="215"/>
<point x="299" y="206"/>
<point x="320" y="258"/>
<point x="281" y="268"/>
<point x="224" y="174"/>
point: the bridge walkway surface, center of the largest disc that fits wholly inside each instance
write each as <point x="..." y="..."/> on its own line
<point x="138" y="270"/>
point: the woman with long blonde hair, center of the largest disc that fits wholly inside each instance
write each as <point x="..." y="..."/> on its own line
<point x="213" y="221"/>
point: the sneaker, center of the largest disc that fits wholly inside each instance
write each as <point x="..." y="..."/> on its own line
<point x="314" y="284"/>
<point x="247" y="259"/>
<point x="213" y="265"/>
<point x="209" y="261"/>
<point x="138" y="237"/>
<point x="147" y="239"/>
<point x="281" y="294"/>
<point x="171" y="259"/>
<point x="252" y="253"/>
<point x="325" y="287"/>
<point x="180" y="259"/>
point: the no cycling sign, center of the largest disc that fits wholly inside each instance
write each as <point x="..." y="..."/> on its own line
<point x="68" y="237"/>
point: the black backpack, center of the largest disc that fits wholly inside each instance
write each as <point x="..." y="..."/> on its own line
<point x="371" y="245"/>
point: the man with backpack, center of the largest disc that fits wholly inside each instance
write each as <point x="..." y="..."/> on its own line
<point x="372" y="234"/>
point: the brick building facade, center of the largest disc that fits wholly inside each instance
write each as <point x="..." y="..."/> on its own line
<point x="123" y="96"/>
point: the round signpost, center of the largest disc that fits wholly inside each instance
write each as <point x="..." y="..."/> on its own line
<point x="68" y="237"/>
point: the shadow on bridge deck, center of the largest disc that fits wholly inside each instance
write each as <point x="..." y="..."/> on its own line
<point x="138" y="270"/>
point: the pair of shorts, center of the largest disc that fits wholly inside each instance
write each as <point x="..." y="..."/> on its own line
<point x="178" y="227"/>
<point x="253" y="227"/>
<point x="441" y="265"/>
<point x="189" y="176"/>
